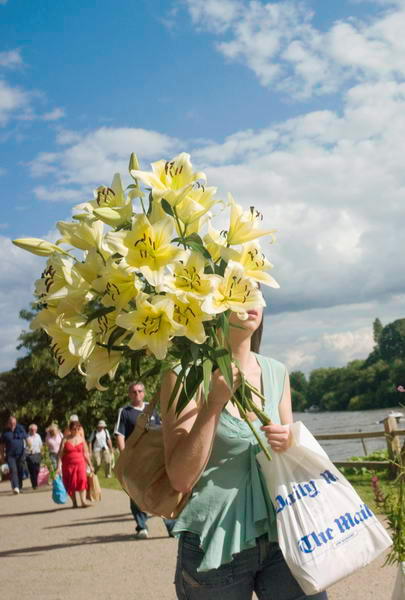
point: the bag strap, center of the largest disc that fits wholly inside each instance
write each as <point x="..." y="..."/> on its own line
<point x="143" y="421"/>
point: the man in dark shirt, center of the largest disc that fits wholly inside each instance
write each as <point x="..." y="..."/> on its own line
<point x="126" y="421"/>
<point x="12" y="442"/>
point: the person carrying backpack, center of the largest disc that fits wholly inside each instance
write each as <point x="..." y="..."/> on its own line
<point x="101" y="449"/>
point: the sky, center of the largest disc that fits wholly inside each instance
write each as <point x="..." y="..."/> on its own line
<point x="296" y="107"/>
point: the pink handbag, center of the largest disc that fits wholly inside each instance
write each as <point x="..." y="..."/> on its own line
<point x="43" y="476"/>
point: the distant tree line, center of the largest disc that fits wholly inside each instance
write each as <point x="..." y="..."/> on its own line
<point x="361" y="384"/>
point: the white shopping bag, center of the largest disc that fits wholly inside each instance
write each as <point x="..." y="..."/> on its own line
<point x="325" y="530"/>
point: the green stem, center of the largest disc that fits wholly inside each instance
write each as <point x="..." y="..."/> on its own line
<point x="242" y="413"/>
<point x="143" y="206"/>
<point x="255" y="390"/>
<point x="181" y="232"/>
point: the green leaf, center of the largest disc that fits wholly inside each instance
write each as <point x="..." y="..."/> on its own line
<point x="155" y="370"/>
<point x="220" y="269"/>
<point x="193" y="380"/>
<point x="194" y="350"/>
<point x="207" y="374"/>
<point x="166" y="207"/>
<point x="179" y="381"/>
<point x="225" y="366"/>
<point x="194" y="242"/>
<point x="99" y="312"/>
<point x="115" y="335"/>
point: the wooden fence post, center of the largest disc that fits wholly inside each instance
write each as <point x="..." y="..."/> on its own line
<point x="393" y="444"/>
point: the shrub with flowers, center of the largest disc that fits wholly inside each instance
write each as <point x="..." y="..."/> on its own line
<point x="159" y="279"/>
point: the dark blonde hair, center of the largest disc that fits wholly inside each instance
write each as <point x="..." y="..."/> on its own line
<point x="256" y="338"/>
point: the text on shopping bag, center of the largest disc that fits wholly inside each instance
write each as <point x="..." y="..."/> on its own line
<point x="302" y="490"/>
<point x="341" y="525"/>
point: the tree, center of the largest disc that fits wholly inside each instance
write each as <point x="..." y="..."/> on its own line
<point x="299" y="387"/>
<point x="377" y="330"/>
<point x="392" y="341"/>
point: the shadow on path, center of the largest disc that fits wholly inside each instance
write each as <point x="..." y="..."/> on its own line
<point x="98" y="539"/>
<point x="95" y="521"/>
<point x="34" y="512"/>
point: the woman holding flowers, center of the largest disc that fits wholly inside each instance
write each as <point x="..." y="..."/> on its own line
<point x="151" y="284"/>
<point x="228" y="535"/>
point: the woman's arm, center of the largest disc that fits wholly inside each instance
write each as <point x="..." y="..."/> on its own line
<point x="279" y="436"/>
<point x="60" y="454"/>
<point x="188" y="437"/>
<point x="87" y="455"/>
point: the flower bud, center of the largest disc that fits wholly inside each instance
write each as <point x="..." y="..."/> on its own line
<point x="38" y="246"/>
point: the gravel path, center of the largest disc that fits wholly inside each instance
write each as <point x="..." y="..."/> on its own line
<point x="57" y="553"/>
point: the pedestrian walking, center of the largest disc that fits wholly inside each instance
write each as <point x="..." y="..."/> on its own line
<point x="101" y="450"/>
<point x="12" y="448"/>
<point x="126" y="421"/>
<point x="72" y="458"/>
<point x="33" y="454"/>
<point x="53" y="441"/>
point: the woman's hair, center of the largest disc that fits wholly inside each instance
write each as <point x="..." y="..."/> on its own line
<point x="256" y="338"/>
<point x="53" y="428"/>
<point x="74" y="425"/>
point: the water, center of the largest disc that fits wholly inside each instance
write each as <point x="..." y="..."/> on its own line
<point x="345" y="422"/>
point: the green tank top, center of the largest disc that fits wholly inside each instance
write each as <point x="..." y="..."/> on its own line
<point x="230" y="506"/>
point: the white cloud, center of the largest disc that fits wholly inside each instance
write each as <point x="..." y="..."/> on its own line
<point x="93" y="158"/>
<point x="63" y="194"/>
<point x="16" y="275"/>
<point x="280" y="43"/>
<point x="10" y="59"/>
<point x="11" y="100"/>
<point x="54" y="115"/>
<point x="326" y="337"/>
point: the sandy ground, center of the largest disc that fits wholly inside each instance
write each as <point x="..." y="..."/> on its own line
<point x="57" y="553"/>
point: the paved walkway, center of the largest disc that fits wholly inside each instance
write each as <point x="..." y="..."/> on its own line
<point x="57" y="553"/>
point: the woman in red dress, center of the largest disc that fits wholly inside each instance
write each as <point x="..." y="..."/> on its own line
<point x="72" y="458"/>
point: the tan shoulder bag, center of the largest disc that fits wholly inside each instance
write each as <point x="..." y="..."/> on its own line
<point x="142" y="473"/>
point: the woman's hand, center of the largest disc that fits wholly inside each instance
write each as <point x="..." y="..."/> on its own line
<point x="278" y="436"/>
<point x="220" y="392"/>
<point x="58" y="471"/>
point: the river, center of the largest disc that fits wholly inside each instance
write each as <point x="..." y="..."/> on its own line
<point x="347" y="421"/>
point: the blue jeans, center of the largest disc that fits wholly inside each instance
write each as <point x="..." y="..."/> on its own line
<point x="261" y="569"/>
<point x="141" y="518"/>
<point x="16" y="465"/>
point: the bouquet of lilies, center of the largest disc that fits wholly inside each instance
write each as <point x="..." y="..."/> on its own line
<point x="158" y="279"/>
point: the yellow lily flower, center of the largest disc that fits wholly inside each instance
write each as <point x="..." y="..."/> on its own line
<point x="91" y="267"/>
<point x="110" y="204"/>
<point x="214" y="241"/>
<point x="255" y="263"/>
<point x="72" y="342"/>
<point x="61" y="282"/>
<point x="152" y="324"/>
<point x="171" y="180"/>
<point x="83" y="235"/>
<point x="118" y="283"/>
<point x="190" y="316"/>
<point x="197" y="203"/>
<point x="146" y="247"/>
<point x="39" y="247"/>
<point x="243" y="225"/>
<point x="187" y="277"/>
<point x="100" y="362"/>
<point x="233" y="291"/>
